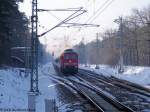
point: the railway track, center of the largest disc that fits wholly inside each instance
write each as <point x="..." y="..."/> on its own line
<point x="100" y="101"/>
<point x="125" y="92"/>
<point x="98" y="97"/>
<point x="122" y="83"/>
<point x="88" y="103"/>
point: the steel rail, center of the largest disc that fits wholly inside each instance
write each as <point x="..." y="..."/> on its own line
<point x="109" y="99"/>
<point x="69" y="85"/>
<point x="120" y="83"/>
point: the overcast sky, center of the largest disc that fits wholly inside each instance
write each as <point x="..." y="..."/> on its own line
<point x="103" y="17"/>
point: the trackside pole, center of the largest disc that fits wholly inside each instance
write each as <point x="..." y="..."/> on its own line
<point x="50" y="105"/>
<point x="121" y="69"/>
<point x="121" y="35"/>
<point x="34" y="91"/>
<point x="97" y="51"/>
<point x="31" y="102"/>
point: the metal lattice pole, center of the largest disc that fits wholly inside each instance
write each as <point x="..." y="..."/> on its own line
<point x="34" y="49"/>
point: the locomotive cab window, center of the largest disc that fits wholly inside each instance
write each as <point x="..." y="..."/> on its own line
<point x="70" y="56"/>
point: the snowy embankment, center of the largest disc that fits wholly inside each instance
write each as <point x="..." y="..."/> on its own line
<point x="13" y="89"/>
<point x="136" y="74"/>
<point x="46" y="86"/>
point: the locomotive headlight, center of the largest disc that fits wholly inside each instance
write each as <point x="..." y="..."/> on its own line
<point x="70" y="61"/>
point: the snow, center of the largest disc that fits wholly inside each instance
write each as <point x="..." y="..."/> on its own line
<point x="46" y="86"/>
<point x="47" y="92"/>
<point x="15" y="86"/>
<point x="13" y="94"/>
<point x="136" y="74"/>
<point x="140" y="75"/>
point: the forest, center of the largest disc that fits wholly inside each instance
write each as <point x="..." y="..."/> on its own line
<point x="134" y="42"/>
<point x="14" y="33"/>
<point x="14" y="28"/>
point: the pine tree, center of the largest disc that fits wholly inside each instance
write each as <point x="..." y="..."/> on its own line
<point x="13" y="28"/>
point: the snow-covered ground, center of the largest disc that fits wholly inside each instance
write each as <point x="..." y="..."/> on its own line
<point x="46" y="86"/>
<point x="136" y="74"/>
<point x="14" y="85"/>
<point x="14" y="88"/>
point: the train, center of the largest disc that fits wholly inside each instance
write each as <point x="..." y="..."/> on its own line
<point x="68" y="62"/>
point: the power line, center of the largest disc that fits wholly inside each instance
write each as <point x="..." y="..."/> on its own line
<point x="72" y="16"/>
<point x="102" y="10"/>
<point x="98" y="10"/>
<point x="103" y="7"/>
<point x="92" y="15"/>
<point x="86" y="6"/>
<point x="54" y="16"/>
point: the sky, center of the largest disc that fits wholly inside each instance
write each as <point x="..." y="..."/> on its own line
<point x="99" y="12"/>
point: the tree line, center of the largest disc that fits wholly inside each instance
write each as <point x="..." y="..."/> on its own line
<point x="13" y="28"/>
<point x="14" y="31"/>
<point x="135" y="43"/>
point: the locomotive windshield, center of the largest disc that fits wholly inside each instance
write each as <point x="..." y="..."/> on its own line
<point x="70" y="56"/>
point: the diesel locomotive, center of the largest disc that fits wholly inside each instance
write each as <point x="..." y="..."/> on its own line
<point x="68" y="61"/>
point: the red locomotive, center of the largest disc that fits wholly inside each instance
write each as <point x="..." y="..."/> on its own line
<point x="69" y="61"/>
